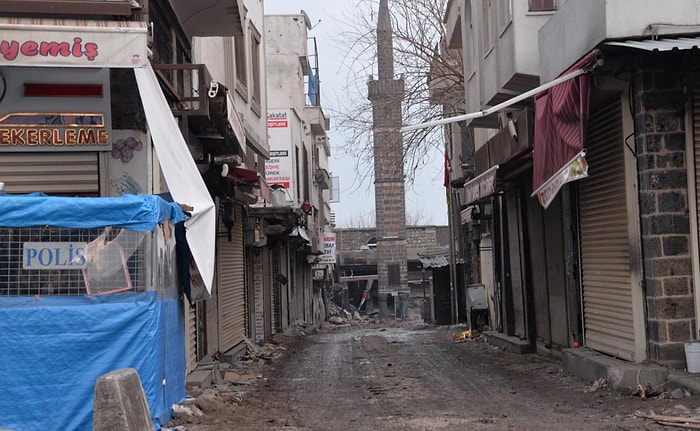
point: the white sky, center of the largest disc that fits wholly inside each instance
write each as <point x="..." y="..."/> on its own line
<point x="427" y="196"/>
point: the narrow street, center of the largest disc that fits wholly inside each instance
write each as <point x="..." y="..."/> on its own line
<point x="419" y="378"/>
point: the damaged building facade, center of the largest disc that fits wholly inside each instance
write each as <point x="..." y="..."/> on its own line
<point x="118" y="99"/>
<point x="582" y="208"/>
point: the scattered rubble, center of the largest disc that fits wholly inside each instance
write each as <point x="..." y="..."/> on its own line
<point x="672" y="421"/>
<point x="596" y="385"/>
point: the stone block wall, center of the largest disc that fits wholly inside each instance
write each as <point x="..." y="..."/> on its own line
<point x="659" y="106"/>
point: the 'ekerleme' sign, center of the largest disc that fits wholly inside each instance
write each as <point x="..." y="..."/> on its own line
<point x="54" y="255"/>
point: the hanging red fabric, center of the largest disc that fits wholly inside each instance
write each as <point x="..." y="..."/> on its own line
<point x="561" y="116"/>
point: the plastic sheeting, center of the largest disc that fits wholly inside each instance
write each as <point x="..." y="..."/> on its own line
<point x="54" y="349"/>
<point x="139" y="213"/>
<point x="181" y="174"/>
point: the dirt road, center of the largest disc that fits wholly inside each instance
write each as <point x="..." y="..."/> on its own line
<point x="418" y="378"/>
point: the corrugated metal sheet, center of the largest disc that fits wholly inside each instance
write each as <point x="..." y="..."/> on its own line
<point x="681" y="43"/>
<point x="429" y="259"/>
<point x="231" y="285"/>
<point x="605" y="254"/>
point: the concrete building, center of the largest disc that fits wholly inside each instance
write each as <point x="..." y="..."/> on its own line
<point x="584" y="217"/>
<point x="428" y="288"/>
<point x="298" y="216"/>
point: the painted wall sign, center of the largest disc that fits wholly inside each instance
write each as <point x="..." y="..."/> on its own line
<point x="54" y="255"/>
<point x="279" y="169"/>
<point x="52" y="42"/>
<point x="328" y="256"/>
<point x="41" y="130"/>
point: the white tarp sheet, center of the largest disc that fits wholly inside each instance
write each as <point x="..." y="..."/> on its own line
<point x="184" y="180"/>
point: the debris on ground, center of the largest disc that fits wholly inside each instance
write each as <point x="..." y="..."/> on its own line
<point x="644" y="391"/>
<point x="672" y="421"/>
<point x="462" y="336"/>
<point x="596" y="385"/>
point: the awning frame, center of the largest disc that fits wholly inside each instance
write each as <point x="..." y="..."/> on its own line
<point x="509" y="102"/>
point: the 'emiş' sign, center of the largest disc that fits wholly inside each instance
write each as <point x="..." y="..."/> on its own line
<point x="54" y="255"/>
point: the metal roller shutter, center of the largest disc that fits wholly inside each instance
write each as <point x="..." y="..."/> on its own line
<point x="605" y="254"/>
<point x="56" y="173"/>
<point x="538" y="269"/>
<point x="556" y="272"/>
<point x="190" y="335"/>
<point x="515" y="251"/>
<point x="231" y="284"/>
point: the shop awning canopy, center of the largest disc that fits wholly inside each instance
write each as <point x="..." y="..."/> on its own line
<point x="666" y="44"/>
<point x="561" y="117"/>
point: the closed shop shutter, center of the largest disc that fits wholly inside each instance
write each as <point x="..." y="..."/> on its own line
<point x="556" y="272"/>
<point x="190" y="335"/>
<point x="231" y="285"/>
<point x="605" y="254"/>
<point x="538" y="269"/>
<point x="515" y="253"/>
<point x="56" y="173"/>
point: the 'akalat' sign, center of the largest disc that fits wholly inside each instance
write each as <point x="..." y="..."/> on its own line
<point x="54" y="255"/>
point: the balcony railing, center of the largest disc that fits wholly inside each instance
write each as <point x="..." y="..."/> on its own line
<point x="186" y="87"/>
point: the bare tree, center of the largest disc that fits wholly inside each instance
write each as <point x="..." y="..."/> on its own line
<point x="432" y="74"/>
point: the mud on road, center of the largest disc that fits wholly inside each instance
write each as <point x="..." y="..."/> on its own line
<point x="411" y="377"/>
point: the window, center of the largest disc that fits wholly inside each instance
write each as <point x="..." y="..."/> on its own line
<point x="255" y="84"/>
<point x="505" y="14"/>
<point x="241" y="65"/>
<point x="543" y="5"/>
<point x="470" y="47"/>
<point x="394" y="274"/>
<point x="488" y="29"/>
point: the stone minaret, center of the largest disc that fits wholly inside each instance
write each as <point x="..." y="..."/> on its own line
<point x="386" y="95"/>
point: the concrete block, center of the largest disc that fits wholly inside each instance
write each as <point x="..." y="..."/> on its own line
<point x="120" y="403"/>
<point x="199" y="378"/>
<point x="590" y="365"/>
<point x="510" y="343"/>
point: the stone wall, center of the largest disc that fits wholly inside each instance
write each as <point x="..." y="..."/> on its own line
<point x="659" y="101"/>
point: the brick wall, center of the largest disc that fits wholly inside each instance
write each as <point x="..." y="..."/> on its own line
<point x="660" y="108"/>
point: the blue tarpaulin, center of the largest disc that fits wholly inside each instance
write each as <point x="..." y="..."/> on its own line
<point x="53" y="349"/>
<point x="139" y="213"/>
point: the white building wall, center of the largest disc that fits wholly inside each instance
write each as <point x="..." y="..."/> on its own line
<point x="581" y="25"/>
<point x="220" y="56"/>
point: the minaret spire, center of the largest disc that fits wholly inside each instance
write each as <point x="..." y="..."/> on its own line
<point x="385" y="44"/>
<point x="386" y="95"/>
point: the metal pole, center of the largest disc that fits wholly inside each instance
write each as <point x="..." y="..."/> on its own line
<point x="453" y="268"/>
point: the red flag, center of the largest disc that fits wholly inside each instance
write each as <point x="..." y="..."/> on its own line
<point x="448" y="169"/>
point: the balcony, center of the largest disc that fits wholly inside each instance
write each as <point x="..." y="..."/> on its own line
<point x="222" y="18"/>
<point x="322" y="178"/>
<point x="69" y="7"/>
<point x="318" y="122"/>
<point x="189" y="91"/>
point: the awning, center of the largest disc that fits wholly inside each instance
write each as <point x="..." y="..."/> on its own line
<point x="667" y="44"/>
<point x="501" y="106"/>
<point x="480" y="186"/>
<point x="217" y="18"/>
<point x="434" y="258"/>
<point x="54" y="42"/>
<point x="181" y="174"/>
<point x="561" y="117"/>
<point x="248" y="177"/>
<point x="300" y="232"/>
